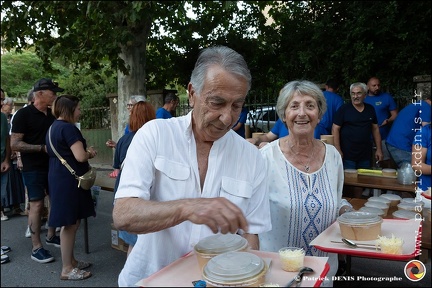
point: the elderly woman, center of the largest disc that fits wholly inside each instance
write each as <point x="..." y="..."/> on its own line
<point x="305" y="175"/>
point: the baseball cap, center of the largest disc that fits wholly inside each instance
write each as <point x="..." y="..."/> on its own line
<point x="47" y="84"/>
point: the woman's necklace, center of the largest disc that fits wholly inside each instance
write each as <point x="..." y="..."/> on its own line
<point x="306" y="166"/>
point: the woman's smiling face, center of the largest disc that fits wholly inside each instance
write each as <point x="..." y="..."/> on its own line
<point x="302" y="114"/>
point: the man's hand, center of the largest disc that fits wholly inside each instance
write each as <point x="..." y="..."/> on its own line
<point x="5" y="166"/>
<point x="219" y="214"/>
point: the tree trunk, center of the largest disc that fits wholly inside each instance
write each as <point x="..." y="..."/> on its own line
<point x="134" y="82"/>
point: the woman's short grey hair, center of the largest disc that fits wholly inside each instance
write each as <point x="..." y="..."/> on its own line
<point x="8" y="101"/>
<point x="222" y="56"/>
<point x="137" y="98"/>
<point x="362" y="86"/>
<point x="301" y="87"/>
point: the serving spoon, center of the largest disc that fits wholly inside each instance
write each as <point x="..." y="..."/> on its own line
<point x="299" y="276"/>
<point x="352" y="244"/>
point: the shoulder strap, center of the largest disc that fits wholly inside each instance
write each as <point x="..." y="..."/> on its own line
<point x="63" y="161"/>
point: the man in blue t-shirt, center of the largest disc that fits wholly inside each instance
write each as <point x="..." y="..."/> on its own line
<point x="239" y="126"/>
<point x="279" y="130"/>
<point x="406" y="125"/>
<point x="170" y="104"/>
<point x="334" y="101"/>
<point x="386" y="111"/>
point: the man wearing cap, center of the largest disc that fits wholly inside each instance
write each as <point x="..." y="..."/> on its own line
<point x="29" y="128"/>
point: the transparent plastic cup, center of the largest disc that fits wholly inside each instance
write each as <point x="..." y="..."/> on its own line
<point x="291" y="258"/>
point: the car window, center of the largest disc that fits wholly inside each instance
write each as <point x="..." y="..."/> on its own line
<point x="270" y="115"/>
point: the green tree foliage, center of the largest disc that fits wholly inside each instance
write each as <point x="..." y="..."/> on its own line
<point x="20" y="71"/>
<point x="349" y="40"/>
<point x="154" y="43"/>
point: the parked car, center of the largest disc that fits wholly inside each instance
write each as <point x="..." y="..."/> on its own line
<point x="262" y="119"/>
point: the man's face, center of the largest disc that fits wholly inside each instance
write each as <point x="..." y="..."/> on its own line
<point x="357" y="96"/>
<point x="47" y="96"/>
<point x="374" y="87"/>
<point x="218" y="106"/>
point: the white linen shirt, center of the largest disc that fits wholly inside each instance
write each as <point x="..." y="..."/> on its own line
<point x="161" y="165"/>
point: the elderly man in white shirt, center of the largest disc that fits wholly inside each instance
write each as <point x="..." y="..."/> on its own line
<point x="186" y="178"/>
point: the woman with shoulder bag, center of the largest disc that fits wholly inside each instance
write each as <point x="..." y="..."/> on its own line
<point x="69" y="202"/>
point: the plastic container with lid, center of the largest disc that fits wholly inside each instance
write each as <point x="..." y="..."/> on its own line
<point x="373" y="210"/>
<point x="394" y="199"/>
<point x="217" y="244"/>
<point x="360" y="225"/>
<point x="376" y="204"/>
<point x="411" y="206"/>
<point x="239" y="269"/>
<point x="405" y="214"/>
<point x="291" y="258"/>
<point x="350" y="173"/>
<point x="412" y="200"/>
<point x="389" y="172"/>
<point x="379" y="199"/>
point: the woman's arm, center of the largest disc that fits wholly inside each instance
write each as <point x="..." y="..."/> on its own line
<point x="82" y="155"/>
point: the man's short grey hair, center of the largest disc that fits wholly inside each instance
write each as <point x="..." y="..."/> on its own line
<point x="137" y="98"/>
<point x="224" y="57"/>
<point x="362" y="86"/>
<point x="301" y="87"/>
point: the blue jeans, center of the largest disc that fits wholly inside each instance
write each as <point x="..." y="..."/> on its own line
<point x="398" y="155"/>
<point x="4" y="182"/>
<point x="350" y="164"/>
<point x="36" y="183"/>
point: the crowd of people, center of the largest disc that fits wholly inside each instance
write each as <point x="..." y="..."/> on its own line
<point x="168" y="199"/>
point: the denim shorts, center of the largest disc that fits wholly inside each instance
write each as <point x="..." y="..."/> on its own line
<point x="398" y="155"/>
<point x="36" y="183"/>
<point x="350" y="164"/>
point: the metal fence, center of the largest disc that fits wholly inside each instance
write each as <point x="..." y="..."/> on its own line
<point x="96" y="118"/>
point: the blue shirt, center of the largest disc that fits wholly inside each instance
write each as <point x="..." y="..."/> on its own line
<point x="279" y="129"/>
<point x="242" y="119"/>
<point x="407" y="123"/>
<point x="383" y="104"/>
<point x="334" y="102"/>
<point x="423" y="140"/>
<point x="163" y="113"/>
<point x="126" y="129"/>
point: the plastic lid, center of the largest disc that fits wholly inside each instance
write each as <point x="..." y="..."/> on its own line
<point x="411" y="201"/>
<point x="350" y="171"/>
<point x="389" y="170"/>
<point x="232" y="267"/>
<point x="359" y="217"/>
<point x="373" y="210"/>
<point x="411" y="206"/>
<point x="220" y="243"/>
<point x="379" y="199"/>
<point x="376" y="204"/>
<point x="391" y="197"/>
<point x="404" y="214"/>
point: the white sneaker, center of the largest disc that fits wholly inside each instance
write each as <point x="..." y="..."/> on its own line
<point x="27" y="233"/>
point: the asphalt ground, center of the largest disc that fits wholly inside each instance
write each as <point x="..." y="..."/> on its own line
<point x="21" y="271"/>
